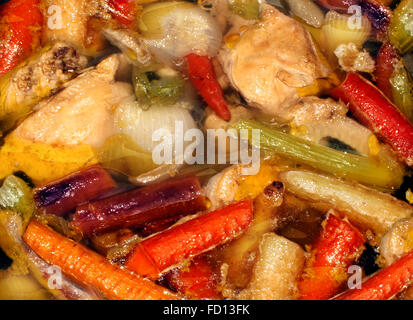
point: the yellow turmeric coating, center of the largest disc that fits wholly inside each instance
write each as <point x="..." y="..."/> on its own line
<point x="42" y="162"/>
<point x="252" y="186"/>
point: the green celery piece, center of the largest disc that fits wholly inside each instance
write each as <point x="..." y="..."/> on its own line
<point x="17" y="196"/>
<point x="350" y="166"/>
<point x="248" y="9"/>
<point x="402" y="91"/>
<point x="401" y="26"/>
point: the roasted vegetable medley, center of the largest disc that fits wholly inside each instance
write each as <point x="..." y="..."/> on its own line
<point x="211" y="149"/>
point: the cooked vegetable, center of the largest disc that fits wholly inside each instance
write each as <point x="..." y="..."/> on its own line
<point x="121" y="153"/>
<point x="402" y="90"/>
<point x="152" y="88"/>
<point x="387" y="58"/>
<point x="378" y="14"/>
<point x="124" y="11"/>
<point x="364" y="207"/>
<point x="239" y="255"/>
<point x="308" y="11"/>
<point x="340" y="5"/>
<point x="164" y="24"/>
<point x="89" y="268"/>
<point x="64" y="195"/>
<point x="140" y="206"/>
<point x="248" y="9"/>
<point x="202" y="76"/>
<point x="43" y="163"/>
<point x="277" y="270"/>
<point x="386" y="283"/>
<point x="400" y="29"/>
<point x="159" y="252"/>
<point x="197" y="281"/>
<point x="20" y="32"/>
<point x="337" y="29"/>
<point x="372" y="108"/>
<point x="350" y="166"/>
<point x="16" y="196"/>
<point x="129" y="116"/>
<point x="337" y="247"/>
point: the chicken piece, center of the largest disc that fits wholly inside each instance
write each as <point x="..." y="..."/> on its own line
<point x="277" y="270"/>
<point x="73" y="22"/>
<point x="215" y="122"/>
<point x="81" y="113"/>
<point x="36" y="78"/>
<point x="230" y="184"/>
<point x="322" y="118"/>
<point x="397" y="241"/>
<point x="222" y="187"/>
<point x="266" y="66"/>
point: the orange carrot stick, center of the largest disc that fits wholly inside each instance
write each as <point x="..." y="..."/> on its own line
<point x="199" y="280"/>
<point x="89" y="268"/>
<point x="155" y="254"/>
<point x="385" y="283"/>
<point x="335" y="250"/>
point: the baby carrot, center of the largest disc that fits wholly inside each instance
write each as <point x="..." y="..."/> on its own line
<point x="386" y="283"/>
<point x="163" y="250"/>
<point x="336" y="248"/>
<point x="89" y="268"/>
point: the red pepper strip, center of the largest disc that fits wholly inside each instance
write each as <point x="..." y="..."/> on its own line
<point x="338" y="245"/>
<point x="386" y="60"/>
<point x="198" y="281"/>
<point x="64" y="195"/>
<point x="124" y="11"/>
<point x="155" y="254"/>
<point x="202" y="75"/>
<point x="136" y="208"/>
<point x="20" y="31"/>
<point x="386" y="283"/>
<point x="375" y="111"/>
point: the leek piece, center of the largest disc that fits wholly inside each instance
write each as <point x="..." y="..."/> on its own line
<point x="16" y="195"/>
<point x="354" y="167"/>
<point x="402" y="91"/>
<point x="248" y="9"/>
<point x="121" y="153"/>
<point x="401" y="26"/>
<point x="150" y="88"/>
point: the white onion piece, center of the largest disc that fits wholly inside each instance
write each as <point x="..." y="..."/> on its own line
<point x="308" y="11"/>
<point x="140" y="125"/>
<point x="180" y="30"/>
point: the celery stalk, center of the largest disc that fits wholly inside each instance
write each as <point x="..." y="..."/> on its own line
<point x="402" y="91"/>
<point x="350" y="166"/>
<point x="401" y="27"/>
<point x="248" y="9"/>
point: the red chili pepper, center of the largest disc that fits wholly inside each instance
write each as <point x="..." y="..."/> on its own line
<point x="338" y="245"/>
<point x="124" y="11"/>
<point x="386" y="283"/>
<point x="198" y="281"/>
<point x="155" y="254"/>
<point x="66" y="194"/>
<point x="375" y="111"/>
<point x="387" y="58"/>
<point x="20" y="31"/>
<point x="202" y="75"/>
